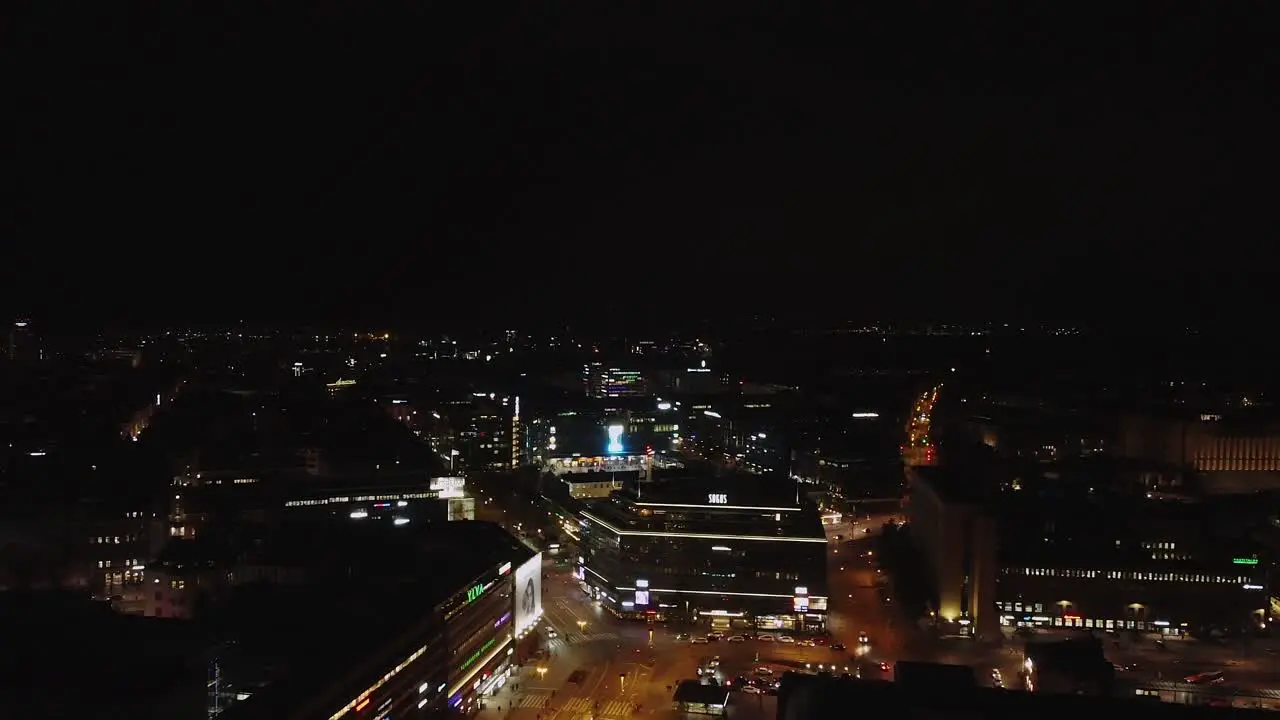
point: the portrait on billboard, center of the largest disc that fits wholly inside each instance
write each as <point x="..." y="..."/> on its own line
<point x="529" y="592"/>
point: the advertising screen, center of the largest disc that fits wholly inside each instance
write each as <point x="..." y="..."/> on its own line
<point x="528" y="593"/>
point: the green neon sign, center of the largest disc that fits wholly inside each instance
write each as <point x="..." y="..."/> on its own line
<point x="1244" y="561"/>
<point x="474" y="592"/>
<point x="476" y="655"/>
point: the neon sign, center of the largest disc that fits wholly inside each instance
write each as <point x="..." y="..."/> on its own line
<point x="718" y="499"/>
<point x="476" y="655"/>
<point x="475" y="592"/>
<point x="1244" y="561"/>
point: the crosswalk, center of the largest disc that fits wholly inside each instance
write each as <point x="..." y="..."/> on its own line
<point x="533" y="701"/>
<point x="607" y="708"/>
<point x="580" y="707"/>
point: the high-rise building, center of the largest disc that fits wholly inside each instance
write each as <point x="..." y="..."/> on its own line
<point x="22" y="342"/>
<point x="601" y="381"/>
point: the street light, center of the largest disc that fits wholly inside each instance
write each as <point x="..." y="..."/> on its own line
<point x="582" y="625"/>
<point x="542" y="671"/>
<point x="622" y="681"/>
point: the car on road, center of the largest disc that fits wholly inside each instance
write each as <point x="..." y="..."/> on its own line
<point x="766" y="638"/>
<point x="750" y="689"/>
<point x="786" y="639"/>
<point x="838" y="646"/>
<point x="699" y="641"/>
<point x="715" y="636"/>
<point x="737" y="639"/>
<point x="863" y="638"/>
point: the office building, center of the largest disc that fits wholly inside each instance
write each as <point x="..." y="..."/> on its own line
<point x="606" y="381"/>
<point x="22" y="343"/>
<point x="1062" y="548"/>
<point x="736" y="552"/>
<point x="490" y="431"/>
<point x="1220" y="452"/>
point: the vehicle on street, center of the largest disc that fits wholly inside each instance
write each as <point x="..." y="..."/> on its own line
<point x="737" y="639"/>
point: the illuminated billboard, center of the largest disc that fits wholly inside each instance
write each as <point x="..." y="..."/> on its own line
<point x="449" y="487"/>
<point x="615" y="439"/>
<point x="528" y="593"/>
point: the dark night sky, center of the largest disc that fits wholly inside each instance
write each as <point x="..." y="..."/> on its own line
<point x="389" y="159"/>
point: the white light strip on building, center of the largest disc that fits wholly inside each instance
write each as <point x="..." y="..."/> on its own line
<point x="464" y="682"/>
<point x="707" y="536"/>
<point x="392" y="673"/>
<point x="720" y="507"/>
<point x="718" y="592"/>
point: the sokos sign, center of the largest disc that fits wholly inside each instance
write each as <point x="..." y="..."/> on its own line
<point x="718" y="499"/>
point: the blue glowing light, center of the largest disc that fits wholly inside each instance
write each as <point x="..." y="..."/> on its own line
<point x="615" y="439"/>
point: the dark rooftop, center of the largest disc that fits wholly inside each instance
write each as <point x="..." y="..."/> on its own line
<point x="805" y="697"/>
<point x="627" y="477"/>
<point x="66" y="656"/>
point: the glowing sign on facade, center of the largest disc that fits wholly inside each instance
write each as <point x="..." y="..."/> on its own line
<point x="475" y="592"/>
<point x="615" y="439"/>
<point x="718" y="499"/>
<point x="449" y="487"/>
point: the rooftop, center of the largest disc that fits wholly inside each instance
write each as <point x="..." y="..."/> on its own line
<point x="739" y="491"/>
<point x="740" y="506"/>
<point x="809" y="696"/>
<point x="118" y="665"/>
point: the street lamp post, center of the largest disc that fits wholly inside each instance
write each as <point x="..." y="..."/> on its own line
<point x="542" y="672"/>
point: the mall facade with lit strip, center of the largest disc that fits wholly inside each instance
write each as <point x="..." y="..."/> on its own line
<point x="466" y="638"/>
<point x="734" y="553"/>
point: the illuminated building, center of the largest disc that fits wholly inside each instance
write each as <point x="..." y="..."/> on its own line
<point x="491" y="433"/>
<point x="612" y="382"/>
<point x="1058" y="550"/>
<point x="22" y="342"/>
<point x="734" y="554"/>
<point x="210" y="498"/>
<point x="438" y="646"/>
<point x="1229" y="452"/>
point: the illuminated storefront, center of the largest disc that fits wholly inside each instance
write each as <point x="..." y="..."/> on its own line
<point x="480" y="626"/>
<point x="1162" y="602"/>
